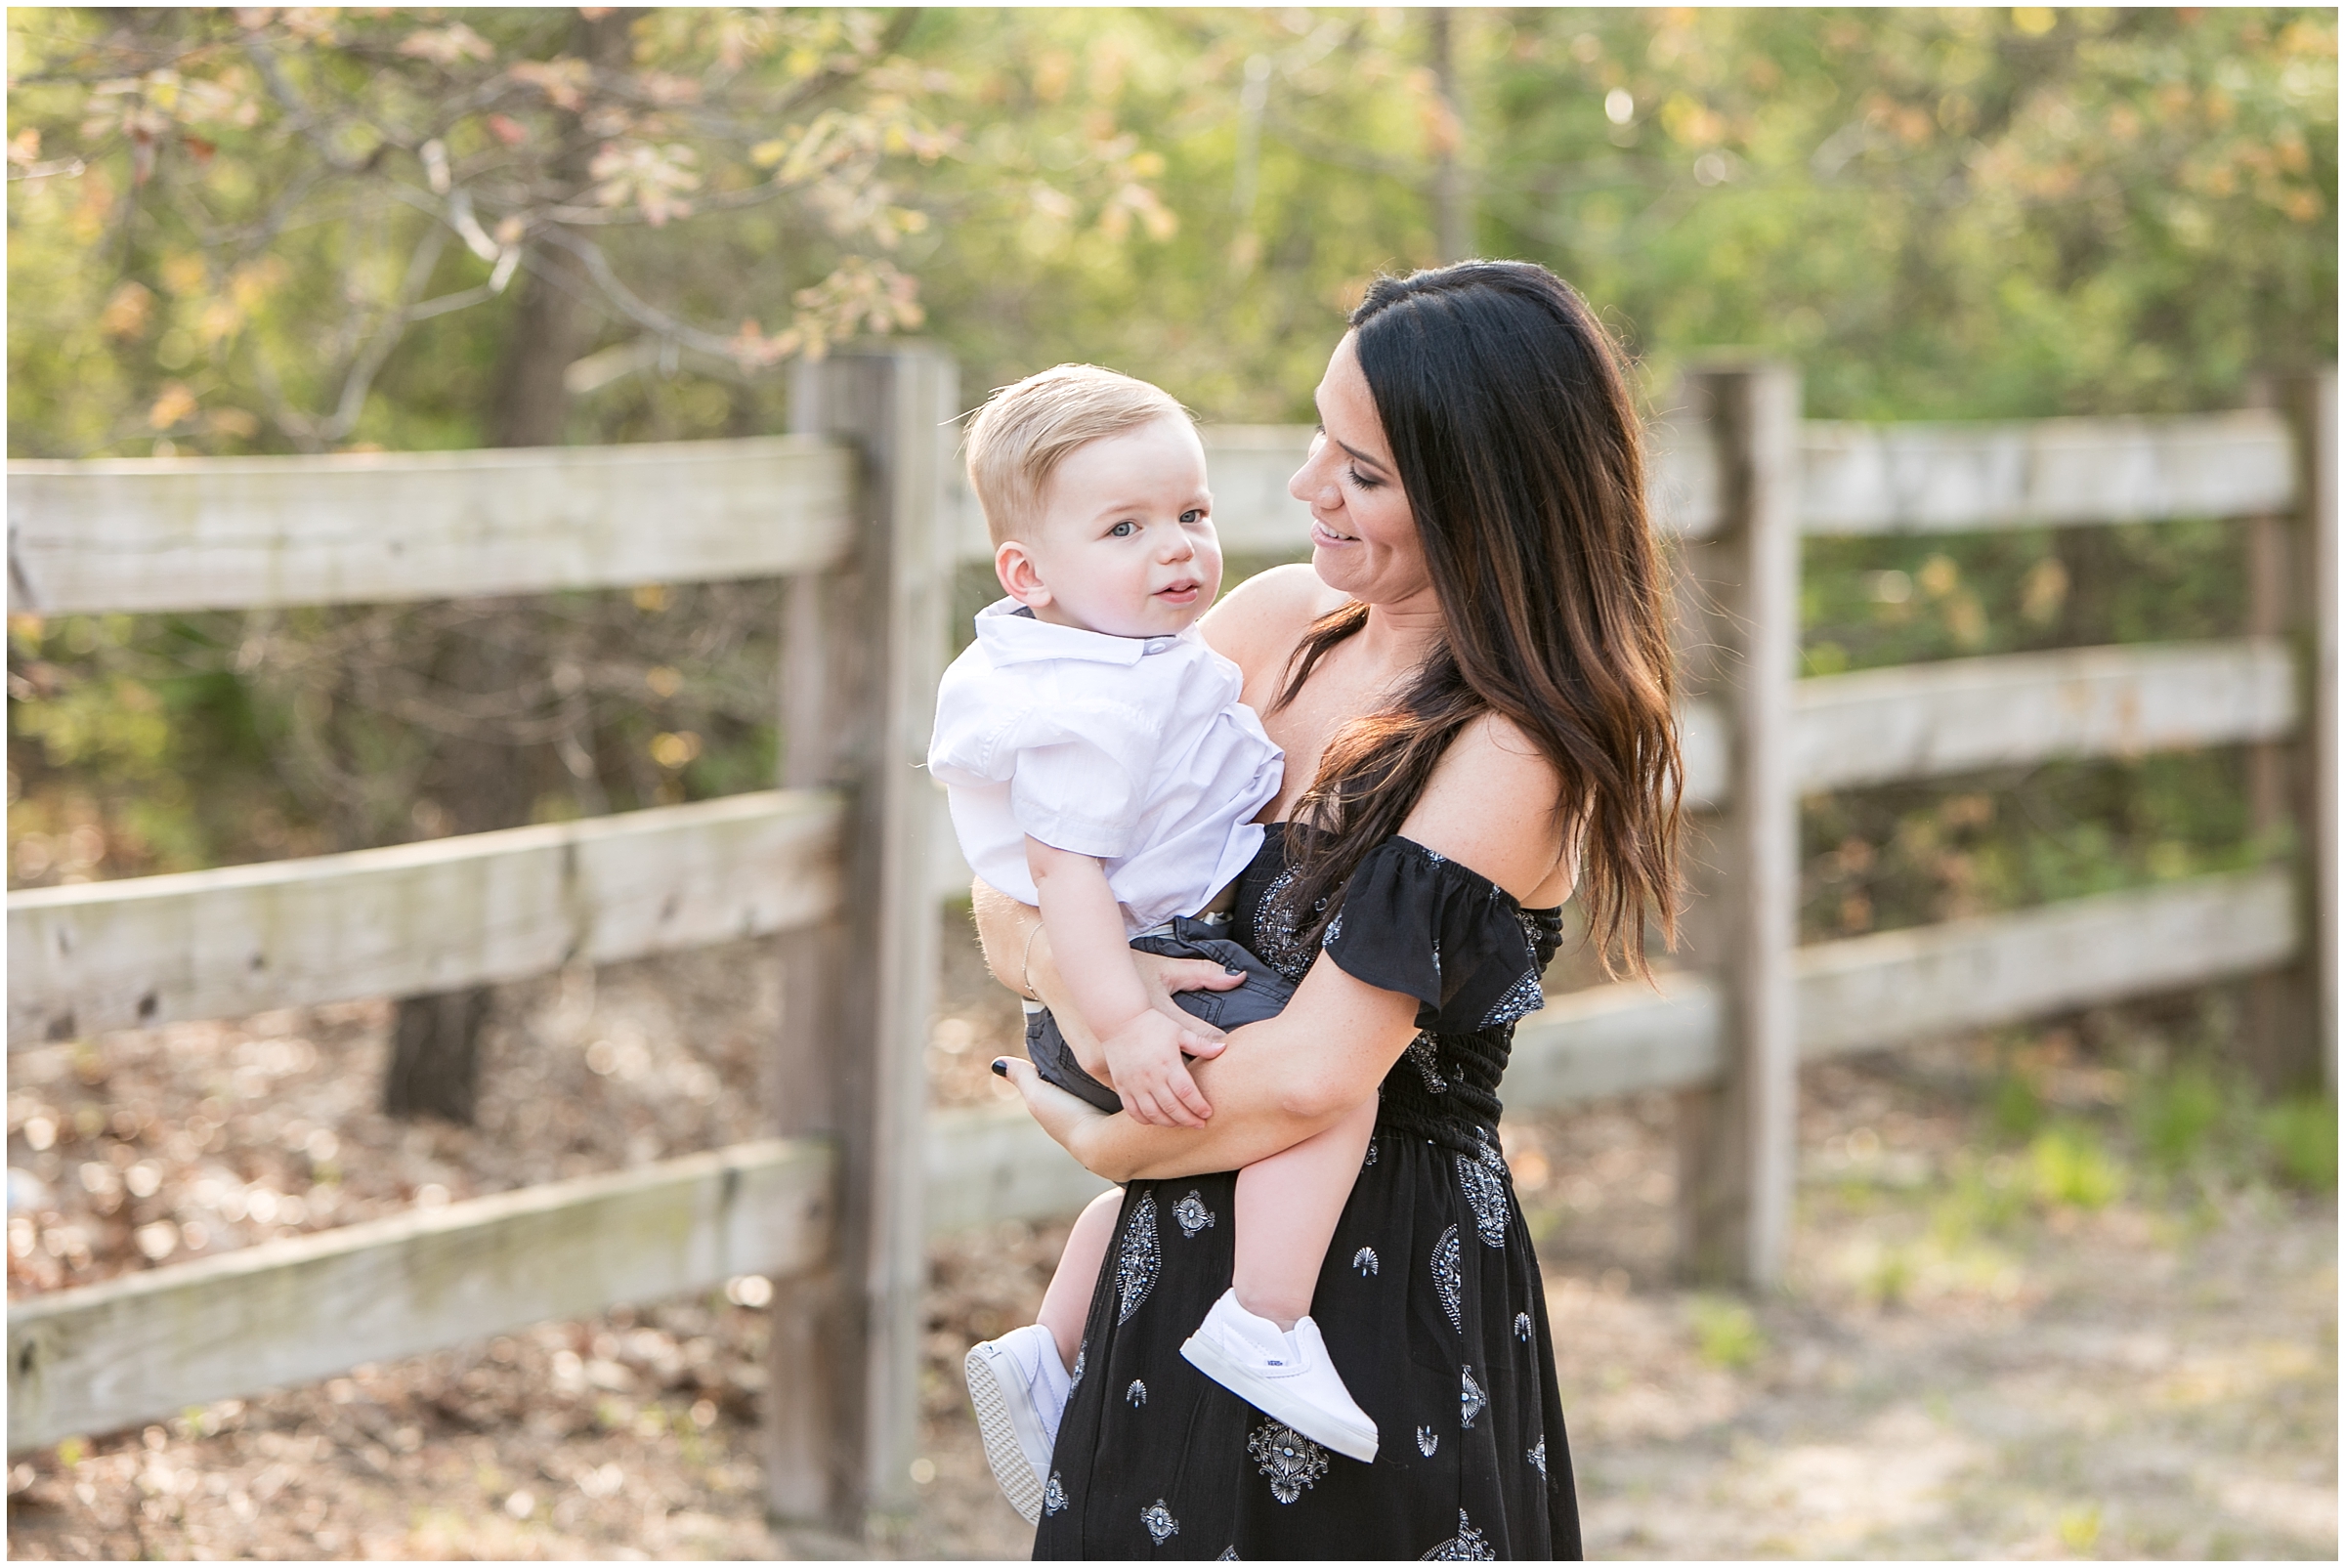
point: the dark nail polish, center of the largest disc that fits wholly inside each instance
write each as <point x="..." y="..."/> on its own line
<point x="1231" y="969"/>
<point x="1000" y="1067"/>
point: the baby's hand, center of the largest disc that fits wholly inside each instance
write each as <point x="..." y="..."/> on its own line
<point x="1143" y="1062"/>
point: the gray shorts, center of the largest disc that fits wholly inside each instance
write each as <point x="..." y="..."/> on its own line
<point x="1263" y="995"/>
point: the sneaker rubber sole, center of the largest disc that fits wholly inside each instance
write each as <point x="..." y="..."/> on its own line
<point x="1005" y="1422"/>
<point x="1273" y="1399"/>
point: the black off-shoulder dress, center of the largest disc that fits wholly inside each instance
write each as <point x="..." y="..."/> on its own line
<point x="1429" y="1298"/>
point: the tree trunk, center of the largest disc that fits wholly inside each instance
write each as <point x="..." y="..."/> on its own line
<point x="1453" y="201"/>
<point x="435" y="1055"/>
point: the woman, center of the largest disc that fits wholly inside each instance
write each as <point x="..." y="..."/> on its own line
<point x="1471" y="684"/>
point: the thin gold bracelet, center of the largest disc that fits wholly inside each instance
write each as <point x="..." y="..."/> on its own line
<point x="1025" y="983"/>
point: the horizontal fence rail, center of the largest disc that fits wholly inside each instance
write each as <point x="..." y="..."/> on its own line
<point x="1942" y="478"/>
<point x="417" y="918"/>
<point x="225" y="534"/>
<point x="291" y="1311"/>
<point x="250" y="532"/>
<point x="1958" y="715"/>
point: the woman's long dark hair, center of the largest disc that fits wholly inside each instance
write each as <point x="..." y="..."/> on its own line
<point x="1518" y="445"/>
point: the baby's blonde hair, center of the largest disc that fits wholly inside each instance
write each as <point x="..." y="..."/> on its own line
<point x="1024" y="430"/>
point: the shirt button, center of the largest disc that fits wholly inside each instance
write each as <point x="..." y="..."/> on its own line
<point x="1157" y="645"/>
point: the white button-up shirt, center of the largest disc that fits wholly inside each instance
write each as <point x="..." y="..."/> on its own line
<point x="1134" y="749"/>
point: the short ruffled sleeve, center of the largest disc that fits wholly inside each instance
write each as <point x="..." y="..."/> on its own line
<point x="1419" y="923"/>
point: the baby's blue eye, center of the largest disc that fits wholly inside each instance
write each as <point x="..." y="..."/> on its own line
<point x="1121" y="531"/>
<point x="1193" y="515"/>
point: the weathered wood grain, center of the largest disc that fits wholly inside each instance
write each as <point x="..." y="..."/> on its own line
<point x="1897" y="986"/>
<point x="1939" y="477"/>
<point x="244" y="532"/>
<point x="149" y="1345"/>
<point x="1735" y="1139"/>
<point x="1920" y="721"/>
<point x="2312" y="413"/>
<point x="882" y="657"/>
<point x="415" y="917"/>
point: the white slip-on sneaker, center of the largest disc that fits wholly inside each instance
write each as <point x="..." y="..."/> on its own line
<point x="1018" y="1387"/>
<point x="1287" y="1376"/>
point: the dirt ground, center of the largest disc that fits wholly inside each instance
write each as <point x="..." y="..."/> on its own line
<point x="1989" y="1345"/>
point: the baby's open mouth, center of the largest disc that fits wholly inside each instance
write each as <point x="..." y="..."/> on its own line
<point x="1179" y="590"/>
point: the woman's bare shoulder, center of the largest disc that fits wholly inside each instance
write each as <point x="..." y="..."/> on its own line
<point x="1266" y="615"/>
<point x="1473" y="807"/>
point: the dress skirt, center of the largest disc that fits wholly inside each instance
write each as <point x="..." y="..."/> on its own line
<point x="1430" y="1305"/>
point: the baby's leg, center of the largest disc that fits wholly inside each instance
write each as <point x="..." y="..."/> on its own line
<point x="1069" y="1297"/>
<point x="1286" y="1211"/>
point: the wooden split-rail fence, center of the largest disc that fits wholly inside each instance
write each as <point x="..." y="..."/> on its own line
<point x="844" y="862"/>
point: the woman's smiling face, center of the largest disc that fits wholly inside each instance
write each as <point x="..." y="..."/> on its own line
<point x="1364" y="539"/>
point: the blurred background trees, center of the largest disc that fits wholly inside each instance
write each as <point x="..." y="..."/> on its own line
<point x="289" y="229"/>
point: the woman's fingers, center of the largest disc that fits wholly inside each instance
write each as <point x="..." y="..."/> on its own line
<point x="1203" y="974"/>
<point x="1204" y="1047"/>
<point x="1186" y="974"/>
<point x="1059" y="1112"/>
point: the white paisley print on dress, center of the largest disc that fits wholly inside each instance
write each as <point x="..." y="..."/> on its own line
<point x="1486" y="1196"/>
<point x="1428" y="1440"/>
<point x="1471" y="1399"/>
<point x="1466" y="1545"/>
<point x="1292" y="1462"/>
<point x="1054" y="1495"/>
<point x="1137" y="1260"/>
<point x="1424" y="1053"/>
<point x="1522" y="1327"/>
<point x="1523" y="996"/>
<point x="1192" y="1214"/>
<point x="1537" y="1456"/>
<point x="1365" y="1261"/>
<point x="1161" y="1526"/>
<point x="1136" y="1395"/>
<point x="1449" y="1281"/>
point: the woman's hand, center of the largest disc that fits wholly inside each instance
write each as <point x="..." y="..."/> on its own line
<point x="1065" y="1118"/>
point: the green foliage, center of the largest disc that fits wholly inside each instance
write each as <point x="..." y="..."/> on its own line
<point x="1726" y="1333"/>
<point x="2014" y="1105"/>
<point x="2072" y="1166"/>
<point x="2300" y="1136"/>
<point x="2175" y="1116"/>
<point x="1984" y="1198"/>
<point x="260" y="230"/>
<point x="1935" y="213"/>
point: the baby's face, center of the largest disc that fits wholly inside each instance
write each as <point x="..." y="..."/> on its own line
<point x="1125" y="541"/>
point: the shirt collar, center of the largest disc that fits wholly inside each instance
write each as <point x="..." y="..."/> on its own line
<point x="1013" y="635"/>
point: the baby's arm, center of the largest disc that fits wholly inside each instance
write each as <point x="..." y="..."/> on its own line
<point x="1142" y="1048"/>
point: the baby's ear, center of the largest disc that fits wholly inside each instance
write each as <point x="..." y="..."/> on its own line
<point x="1014" y="566"/>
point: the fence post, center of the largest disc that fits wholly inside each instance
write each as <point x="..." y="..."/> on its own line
<point x="1737" y="1139"/>
<point x="2309" y="585"/>
<point x="862" y="652"/>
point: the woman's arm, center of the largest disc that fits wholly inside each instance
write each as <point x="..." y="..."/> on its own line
<point x="1274" y="1084"/>
<point x="1287" y="1078"/>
